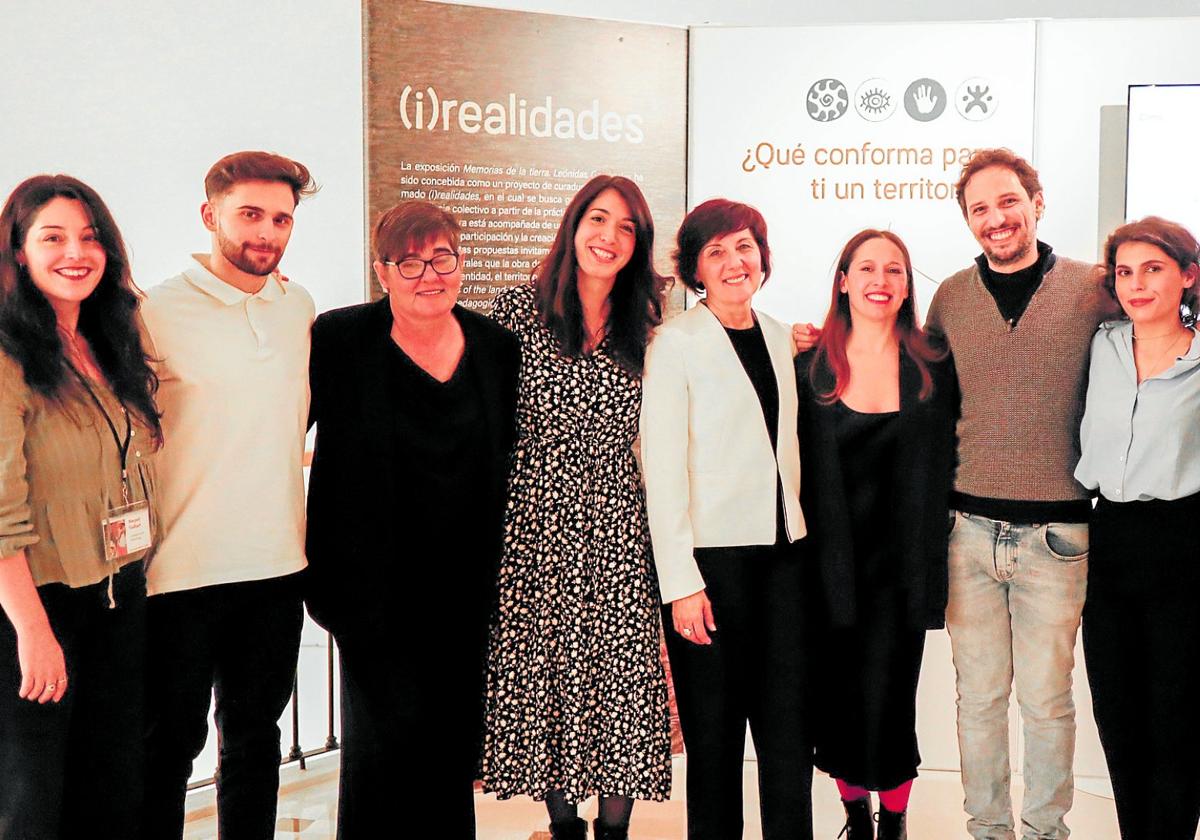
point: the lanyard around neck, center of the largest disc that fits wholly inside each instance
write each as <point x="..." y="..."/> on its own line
<point x="122" y="445"/>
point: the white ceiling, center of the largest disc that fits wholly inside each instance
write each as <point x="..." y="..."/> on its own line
<point x="807" y="12"/>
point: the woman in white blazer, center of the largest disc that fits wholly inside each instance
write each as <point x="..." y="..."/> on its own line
<point x="722" y="468"/>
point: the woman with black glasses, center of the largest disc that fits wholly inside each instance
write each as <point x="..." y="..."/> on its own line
<point x="414" y="399"/>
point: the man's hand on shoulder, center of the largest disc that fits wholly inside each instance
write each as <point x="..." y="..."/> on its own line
<point x="804" y="337"/>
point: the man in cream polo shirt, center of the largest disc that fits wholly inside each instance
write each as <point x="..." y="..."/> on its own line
<point x="225" y="606"/>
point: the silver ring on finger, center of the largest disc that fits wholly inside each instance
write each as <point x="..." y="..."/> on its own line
<point x="687" y="631"/>
<point x="50" y="687"/>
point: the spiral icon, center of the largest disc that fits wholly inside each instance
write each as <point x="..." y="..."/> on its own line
<point x="827" y="100"/>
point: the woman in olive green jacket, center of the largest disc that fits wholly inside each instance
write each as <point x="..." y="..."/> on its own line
<point x="78" y="432"/>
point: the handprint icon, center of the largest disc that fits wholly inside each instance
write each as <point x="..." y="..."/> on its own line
<point x="925" y="100"/>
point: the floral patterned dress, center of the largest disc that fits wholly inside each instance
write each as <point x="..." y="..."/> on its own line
<point x="576" y="694"/>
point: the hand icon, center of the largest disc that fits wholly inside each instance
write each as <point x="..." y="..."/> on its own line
<point x="924" y="99"/>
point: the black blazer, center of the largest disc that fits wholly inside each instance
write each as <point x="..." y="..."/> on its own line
<point x="924" y="474"/>
<point x="357" y="534"/>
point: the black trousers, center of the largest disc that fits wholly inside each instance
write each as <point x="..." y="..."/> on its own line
<point x="410" y="730"/>
<point x="239" y="641"/>
<point x="1141" y="642"/>
<point x="74" y="769"/>
<point x="754" y="672"/>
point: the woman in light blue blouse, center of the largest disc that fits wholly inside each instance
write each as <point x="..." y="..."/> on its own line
<point x="1141" y="449"/>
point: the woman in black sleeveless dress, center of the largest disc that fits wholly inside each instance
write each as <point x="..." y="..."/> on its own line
<point x="877" y="405"/>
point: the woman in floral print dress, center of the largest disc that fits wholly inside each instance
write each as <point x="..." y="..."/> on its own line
<point x="576" y="696"/>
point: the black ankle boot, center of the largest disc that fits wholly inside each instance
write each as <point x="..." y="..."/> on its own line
<point x="858" y="819"/>
<point x="892" y="824"/>
<point x="575" y="829"/>
<point x="607" y="832"/>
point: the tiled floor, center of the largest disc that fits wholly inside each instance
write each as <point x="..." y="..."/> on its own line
<point x="308" y="805"/>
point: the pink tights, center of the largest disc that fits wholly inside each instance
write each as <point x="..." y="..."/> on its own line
<point x="895" y="800"/>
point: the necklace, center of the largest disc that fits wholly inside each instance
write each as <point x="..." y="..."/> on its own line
<point x="740" y="320"/>
<point x="76" y="345"/>
<point x="594" y="337"/>
<point x="79" y="353"/>
<point x="1154" y="369"/>
<point x="1144" y="339"/>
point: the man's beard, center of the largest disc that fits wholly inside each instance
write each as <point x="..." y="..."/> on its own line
<point x="1027" y="245"/>
<point x="244" y="259"/>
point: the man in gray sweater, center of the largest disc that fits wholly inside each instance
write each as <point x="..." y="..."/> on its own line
<point x="1019" y="324"/>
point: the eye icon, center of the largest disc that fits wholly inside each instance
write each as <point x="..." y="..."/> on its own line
<point x="875" y="100"/>
<point x="827" y="100"/>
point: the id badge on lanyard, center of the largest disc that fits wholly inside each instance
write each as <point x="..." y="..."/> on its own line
<point x="125" y="528"/>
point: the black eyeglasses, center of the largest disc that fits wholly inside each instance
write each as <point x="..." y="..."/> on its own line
<point x="412" y="268"/>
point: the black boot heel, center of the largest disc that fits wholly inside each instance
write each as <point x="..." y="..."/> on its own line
<point x="607" y="832"/>
<point x="858" y="819"/>
<point x="575" y="829"/>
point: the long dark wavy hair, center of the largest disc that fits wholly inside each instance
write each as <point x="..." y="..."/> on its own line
<point x="107" y="317"/>
<point x="831" y="346"/>
<point x="636" y="298"/>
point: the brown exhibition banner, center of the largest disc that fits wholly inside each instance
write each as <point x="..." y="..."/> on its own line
<point x="502" y="116"/>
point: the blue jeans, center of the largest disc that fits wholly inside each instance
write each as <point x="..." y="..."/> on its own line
<point x="1016" y="595"/>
